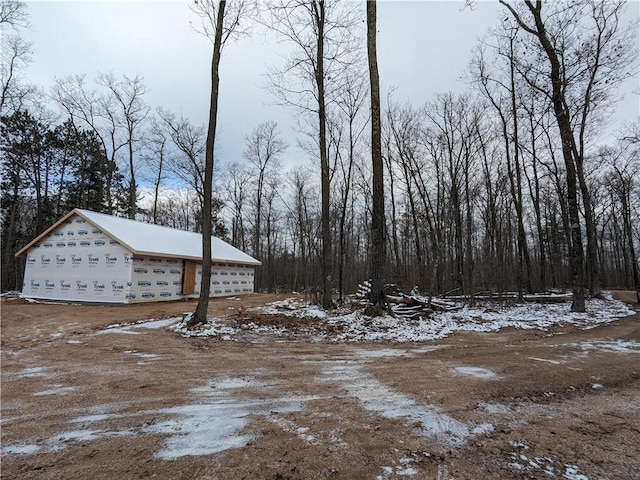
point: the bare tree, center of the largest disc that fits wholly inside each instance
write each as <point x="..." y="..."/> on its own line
<point x="322" y="36"/>
<point x="587" y="53"/>
<point x="264" y="147"/>
<point x="219" y="24"/>
<point x="126" y="96"/>
<point x="14" y="57"/>
<point x="624" y="164"/>
<point x="13" y="13"/>
<point x="190" y="141"/>
<point x="303" y="218"/>
<point x="503" y="96"/>
<point x="99" y="114"/>
<point x="345" y="129"/>
<point x="157" y="144"/>
<point x="237" y="188"/>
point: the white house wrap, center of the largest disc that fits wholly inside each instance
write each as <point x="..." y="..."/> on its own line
<point x="92" y="257"/>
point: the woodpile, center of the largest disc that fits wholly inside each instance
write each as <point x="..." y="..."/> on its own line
<point x="547" y="297"/>
<point x="412" y="306"/>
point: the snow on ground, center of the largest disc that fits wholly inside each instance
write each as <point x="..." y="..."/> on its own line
<point x="378" y="398"/>
<point x="133" y="328"/>
<point x="521" y="462"/>
<point x="216" y="416"/>
<point x="615" y="346"/>
<point x="344" y="326"/>
<point x="477" y="372"/>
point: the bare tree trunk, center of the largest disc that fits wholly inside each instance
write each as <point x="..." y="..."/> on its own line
<point x="593" y="264"/>
<point x="576" y="252"/>
<point x="523" y="252"/>
<point x="133" y="192"/>
<point x="378" y="250"/>
<point x="158" y="181"/>
<point x="200" y="315"/>
<point x="319" y="17"/>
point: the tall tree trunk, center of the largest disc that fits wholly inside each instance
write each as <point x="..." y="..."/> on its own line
<point x="378" y="250"/>
<point x="133" y="194"/>
<point x="200" y="315"/>
<point x="576" y="252"/>
<point x="593" y="264"/>
<point x="534" y="192"/>
<point x="523" y="251"/>
<point x="158" y="181"/>
<point x="319" y="16"/>
<point x="634" y="260"/>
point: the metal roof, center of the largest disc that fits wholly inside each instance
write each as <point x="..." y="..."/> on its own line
<point x="153" y="240"/>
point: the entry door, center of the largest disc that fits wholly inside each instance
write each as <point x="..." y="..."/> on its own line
<point x="189" y="278"/>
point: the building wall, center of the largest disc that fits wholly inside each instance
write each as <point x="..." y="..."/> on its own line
<point x="227" y="279"/>
<point x="155" y="279"/>
<point x="77" y="262"/>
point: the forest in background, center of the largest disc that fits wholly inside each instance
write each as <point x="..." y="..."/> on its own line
<point x="479" y="195"/>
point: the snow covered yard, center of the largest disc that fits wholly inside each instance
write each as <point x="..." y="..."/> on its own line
<point x="346" y="326"/>
<point x="274" y="388"/>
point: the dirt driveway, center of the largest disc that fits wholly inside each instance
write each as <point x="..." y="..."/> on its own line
<point x="140" y="401"/>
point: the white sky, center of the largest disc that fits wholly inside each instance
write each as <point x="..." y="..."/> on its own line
<point x="423" y="49"/>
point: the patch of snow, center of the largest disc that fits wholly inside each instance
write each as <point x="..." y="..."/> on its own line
<point x="383" y="353"/>
<point x="572" y="472"/>
<point x="92" y="418"/>
<point x="73" y="342"/>
<point x="597" y="386"/>
<point x="554" y="362"/>
<point x="377" y="397"/>
<point x="216" y="423"/>
<point x="406" y="472"/>
<point x="232" y="383"/>
<point x="494" y="408"/>
<point x="292" y="427"/>
<point x="386" y="473"/>
<point x="151" y="356"/>
<point x="20" y="449"/>
<point x="56" y="390"/>
<point x="59" y="442"/>
<point x="482" y="429"/>
<point x="616" y="346"/>
<point x="43" y="302"/>
<point x="155" y="324"/>
<point x="131" y="328"/>
<point x="124" y="330"/>
<point x="34" y="372"/>
<point x="291" y="307"/>
<point x="523" y="464"/>
<point x="201" y="429"/>
<point x="477" y="372"/>
<point x="211" y="329"/>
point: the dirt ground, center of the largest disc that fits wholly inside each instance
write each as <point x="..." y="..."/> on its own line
<point x="79" y="401"/>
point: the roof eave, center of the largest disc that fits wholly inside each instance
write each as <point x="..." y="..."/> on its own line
<point x="142" y="253"/>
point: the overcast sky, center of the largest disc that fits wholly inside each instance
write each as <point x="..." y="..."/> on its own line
<point x="423" y="49"/>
